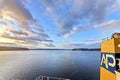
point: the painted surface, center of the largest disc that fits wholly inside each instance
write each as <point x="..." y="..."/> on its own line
<point x="106" y="75"/>
<point x="110" y="60"/>
<point x="111" y="46"/>
<point x="117" y="75"/>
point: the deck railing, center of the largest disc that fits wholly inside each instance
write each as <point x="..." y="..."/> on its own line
<point x="107" y="38"/>
<point x="49" y="78"/>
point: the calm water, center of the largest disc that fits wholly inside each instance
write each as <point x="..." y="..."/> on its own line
<point x="28" y="65"/>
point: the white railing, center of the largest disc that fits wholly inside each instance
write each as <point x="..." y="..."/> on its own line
<point x="49" y="78"/>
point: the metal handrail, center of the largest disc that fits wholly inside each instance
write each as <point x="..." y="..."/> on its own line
<point x="49" y="78"/>
<point x="105" y="39"/>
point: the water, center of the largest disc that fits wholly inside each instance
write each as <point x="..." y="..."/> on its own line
<point x="28" y="65"/>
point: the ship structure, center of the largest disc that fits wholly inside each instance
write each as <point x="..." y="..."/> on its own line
<point x="110" y="58"/>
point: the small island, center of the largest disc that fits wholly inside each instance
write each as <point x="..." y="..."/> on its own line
<point x="86" y="49"/>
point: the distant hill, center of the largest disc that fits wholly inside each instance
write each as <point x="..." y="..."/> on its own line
<point x="12" y="48"/>
<point x="86" y="49"/>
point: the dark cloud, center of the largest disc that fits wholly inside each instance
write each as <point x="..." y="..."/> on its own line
<point x="75" y="30"/>
<point x="19" y="33"/>
<point x="49" y="40"/>
<point x="49" y="45"/>
<point x="31" y="39"/>
<point x="74" y="11"/>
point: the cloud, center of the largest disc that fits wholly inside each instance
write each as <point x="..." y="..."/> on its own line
<point x="22" y="38"/>
<point x="44" y="45"/>
<point x="73" y="45"/>
<point x="19" y="33"/>
<point x="49" y="45"/>
<point x="75" y="30"/>
<point x="78" y="45"/>
<point x="109" y="26"/>
<point x="96" y="40"/>
<point x="74" y="11"/>
<point x="17" y="7"/>
<point x="5" y="44"/>
<point x="49" y="40"/>
<point x="14" y="10"/>
<point x="18" y="24"/>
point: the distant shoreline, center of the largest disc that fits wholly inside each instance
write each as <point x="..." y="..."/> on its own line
<point x="20" y="49"/>
<point x="12" y="49"/>
<point x="50" y="49"/>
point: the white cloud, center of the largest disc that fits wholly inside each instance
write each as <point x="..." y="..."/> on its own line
<point x="109" y="26"/>
<point x="77" y="45"/>
<point x="18" y="24"/>
<point x="73" y="11"/>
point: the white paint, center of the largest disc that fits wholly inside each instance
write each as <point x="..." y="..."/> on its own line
<point x="117" y="75"/>
<point x="119" y="45"/>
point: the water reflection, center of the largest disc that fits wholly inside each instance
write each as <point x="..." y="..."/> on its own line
<point x="28" y="65"/>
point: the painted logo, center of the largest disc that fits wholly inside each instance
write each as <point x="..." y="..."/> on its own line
<point x="108" y="61"/>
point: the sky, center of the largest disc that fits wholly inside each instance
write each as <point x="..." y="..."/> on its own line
<point x="57" y="23"/>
